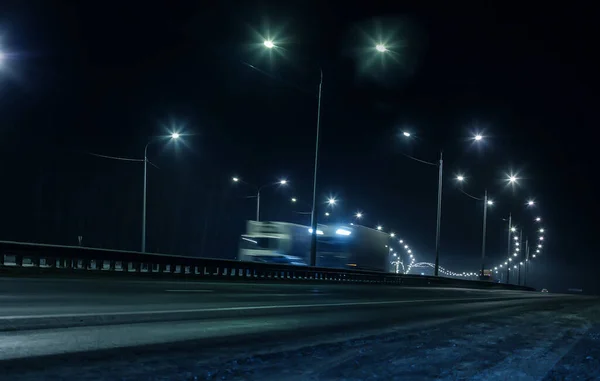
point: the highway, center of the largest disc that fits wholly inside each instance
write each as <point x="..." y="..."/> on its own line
<point x="53" y="317"/>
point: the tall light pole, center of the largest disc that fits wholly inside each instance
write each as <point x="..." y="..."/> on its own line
<point x="313" y="216"/>
<point x="174" y="135"/>
<point x="439" y="217"/>
<point x="270" y="44"/>
<point x="258" y="190"/>
<point x="510" y="230"/>
<point x="486" y="202"/>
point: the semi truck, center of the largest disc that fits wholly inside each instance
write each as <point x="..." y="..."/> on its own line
<point x="338" y="245"/>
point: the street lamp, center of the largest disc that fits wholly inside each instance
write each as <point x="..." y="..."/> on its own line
<point x="331" y="201"/>
<point x="269" y="44"/>
<point x="438" y="223"/>
<point x="260" y="188"/>
<point x="478" y="137"/>
<point x="486" y="204"/>
<point x="173" y="136"/>
<point x="381" y="48"/>
<point x="358" y="215"/>
<point x="379" y="227"/>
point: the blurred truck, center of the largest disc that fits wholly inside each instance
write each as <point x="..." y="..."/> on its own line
<point x="338" y="246"/>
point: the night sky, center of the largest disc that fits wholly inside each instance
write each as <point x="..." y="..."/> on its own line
<point x="78" y="79"/>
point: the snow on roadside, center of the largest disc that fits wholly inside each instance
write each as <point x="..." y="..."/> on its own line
<point x="551" y="344"/>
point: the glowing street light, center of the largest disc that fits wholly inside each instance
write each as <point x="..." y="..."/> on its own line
<point x="173" y="136"/>
<point x="530" y="203"/>
<point x="381" y="48"/>
<point x="490" y="202"/>
<point x="294" y="199"/>
<point x="512" y="179"/>
<point x="331" y="201"/>
<point x="379" y="227"/>
<point x="358" y="215"/>
<point x="392" y="234"/>
<point x="460" y="178"/>
<point x="269" y="44"/>
<point x="513" y="229"/>
<point x="326" y="214"/>
<point x="541" y="230"/>
<point x="538" y="219"/>
<point x="258" y="189"/>
<point x="478" y="137"/>
<point x="407" y="134"/>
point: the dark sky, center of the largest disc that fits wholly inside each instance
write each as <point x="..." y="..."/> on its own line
<point x="104" y="77"/>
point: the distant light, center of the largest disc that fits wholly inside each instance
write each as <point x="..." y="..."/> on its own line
<point x="379" y="227"/>
<point x="478" y="137"/>
<point x="395" y="254"/>
<point x="460" y="178"/>
<point x="516" y="243"/>
<point x="358" y="215"/>
<point x="541" y="238"/>
<point x="381" y="48"/>
<point x="269" y="44"/>
<point x="319" y="232"/>
<point x="406" y="246"/>
<point x="512" y="179"/>
<point x="510" y="259"/>
<point x="490" y="202"/>
<point x="495" y="268"/>
<point x="515" y="266"/>
<point x="283" y="182"/>
<point x="513" y="229"/>
<point x="327" y="214"/>
<point x="235" y="179"/>
<point x="537" y="251"/>
<point x="342" y="231"/>
<point x="515" y="254"/>
<point x="540" y="246"/>
<point x="392" y="234"/>
<point x="534" y="255"/>
<point x="294" y="199"/>
<point x="538" y="219"/>
<point x="541" y="230"/>
<point x="407" y="134"/>
<point x="410" y="251"/>
<point x="331" y="201"/>
<point x="401" y="241"/>
<point x="175" y="135"/>
<point x="516" y="238"/>
<point x="411" y="256"/>
<point x="521" y="263"/>
<point x="530" y="203"/>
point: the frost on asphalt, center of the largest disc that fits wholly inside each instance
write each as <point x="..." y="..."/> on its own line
<point x="543" y="345"/>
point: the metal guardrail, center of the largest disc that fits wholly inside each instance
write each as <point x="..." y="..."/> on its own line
<point x="19" y="257"/>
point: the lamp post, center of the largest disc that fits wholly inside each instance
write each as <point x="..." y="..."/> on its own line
<point x="258" y="190"/>
<point x="173" y="136"/>
<point x="270" y="44"/>
<point x="486" y="203"/>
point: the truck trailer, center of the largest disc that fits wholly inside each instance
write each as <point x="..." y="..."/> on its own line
<point x="338" y="246"/>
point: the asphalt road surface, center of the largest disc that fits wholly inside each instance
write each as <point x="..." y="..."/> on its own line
<point x="103" y="318"/>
